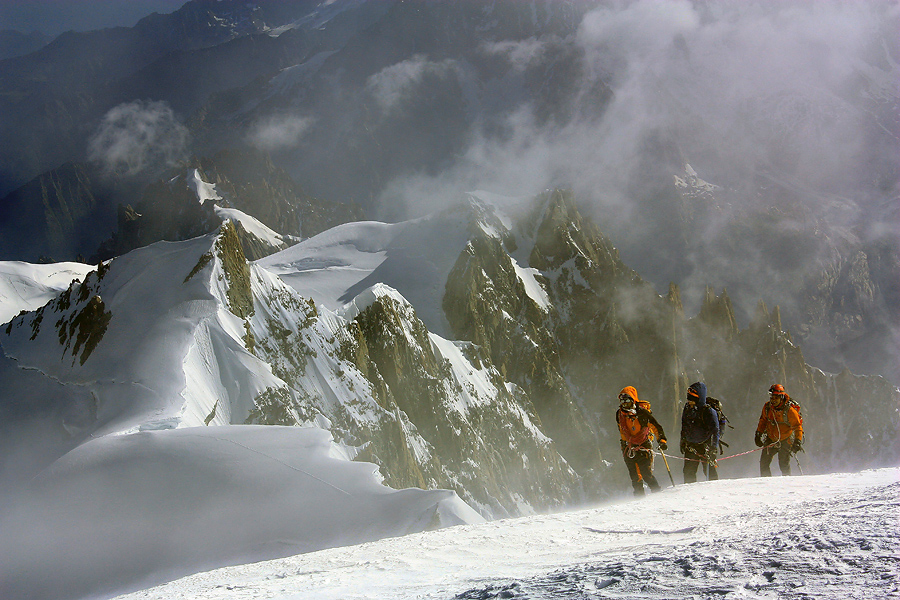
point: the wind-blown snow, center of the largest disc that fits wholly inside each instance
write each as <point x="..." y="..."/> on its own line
<point x="132" y="510"/>
<point x="824" y="537"/>
<point x="26" y="286"/>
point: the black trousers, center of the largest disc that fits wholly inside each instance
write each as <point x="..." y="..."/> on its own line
<point x="643" y="460"/>
<point x="783" y="450"/>
<point x="694" y="456"/>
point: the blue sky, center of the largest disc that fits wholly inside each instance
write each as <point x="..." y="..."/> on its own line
<point x="52" y="17"/>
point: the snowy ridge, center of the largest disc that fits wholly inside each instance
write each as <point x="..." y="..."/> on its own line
<point x="26" y="286"/>
<point x="827" y="537"/>
<point x="226" y="342"/>
<point x="336" y="266"/>
<point x="330" y="336"/>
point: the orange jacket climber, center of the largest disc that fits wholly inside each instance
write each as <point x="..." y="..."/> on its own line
<point x="634" y="427"/>
<point x="780" y="418"/>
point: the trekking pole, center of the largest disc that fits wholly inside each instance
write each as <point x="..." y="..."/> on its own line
<point x="668" y="470"/>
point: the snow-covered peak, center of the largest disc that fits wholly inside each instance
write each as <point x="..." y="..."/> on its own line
<point x="369" y="296"/>
<point x="412" y="257"/>
<point x="692" y="184"/>
<point x="206" y="191"/>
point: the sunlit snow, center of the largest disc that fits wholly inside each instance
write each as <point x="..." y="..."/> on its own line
<point x="824" y="537"/>
<point x="26" y="286"/>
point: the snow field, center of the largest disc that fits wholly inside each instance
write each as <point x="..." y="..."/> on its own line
<point x="824" y="537"/>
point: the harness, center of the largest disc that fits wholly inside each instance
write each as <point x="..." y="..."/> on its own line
<point x="631" y="450"/>
<point x="784" y="413"/>
<point x="771" y="414"/>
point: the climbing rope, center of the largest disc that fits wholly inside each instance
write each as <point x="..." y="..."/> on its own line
<point x="774" y="445"/>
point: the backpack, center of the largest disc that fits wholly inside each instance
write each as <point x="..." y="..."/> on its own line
<point x="792" y="403"/>
<point x="796" y="405"/>
<point x="716" y="405"/>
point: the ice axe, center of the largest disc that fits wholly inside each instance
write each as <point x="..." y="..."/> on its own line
<point x="668" y="470"/>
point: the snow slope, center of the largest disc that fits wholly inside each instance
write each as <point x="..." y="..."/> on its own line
<point x="121" y="512"/>
<point x="337" y="265"/>
<point x="26" y="286"/>
<point x="827" y="536"/>
<point x="414" y="257"/>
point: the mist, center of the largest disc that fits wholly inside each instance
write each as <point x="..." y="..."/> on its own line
<point x="789" y="110"/>
<point x="739" y="88"/>
<point x="138" y="136"/>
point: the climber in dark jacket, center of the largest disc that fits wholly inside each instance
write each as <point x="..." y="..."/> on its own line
<point x="699" y="434"/>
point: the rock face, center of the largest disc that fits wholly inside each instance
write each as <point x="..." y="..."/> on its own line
<point x="836" y="282"/>
<point x="605" y="328"/>
<point x="58" y="215"/>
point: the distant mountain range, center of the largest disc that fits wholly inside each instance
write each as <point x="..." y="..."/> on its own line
<point x="16" y="43"/>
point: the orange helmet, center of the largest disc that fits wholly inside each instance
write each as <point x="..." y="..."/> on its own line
<point x="777" y="389"/>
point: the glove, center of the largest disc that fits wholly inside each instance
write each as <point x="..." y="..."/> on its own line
<point x="797" y="446"/>
<point x="663" y="445"/>
<point x="683" y="447"/>
<point x="758" y="439"/>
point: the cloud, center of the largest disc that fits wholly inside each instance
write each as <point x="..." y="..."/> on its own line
<point x="279" y="132"/>
<point x="520" y="54"/>
<point x="792" y="91"/>
<point x="390" y="85"/>
<point x="790" y="107"/>
<point x="138" y="136"/>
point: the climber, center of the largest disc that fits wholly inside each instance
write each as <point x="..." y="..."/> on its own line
<point x="780" y="431"/>
<point x="699" y="434"/>
<point x="638" y="427"/>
